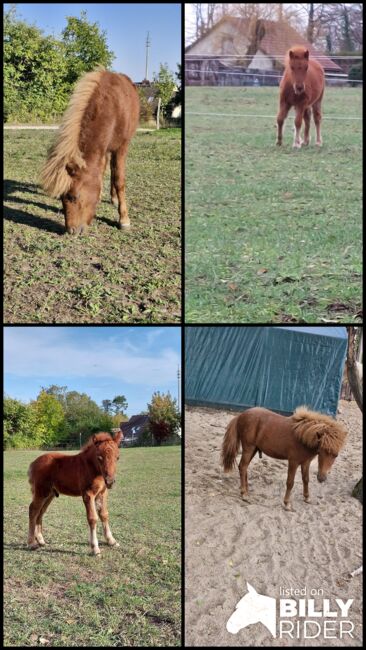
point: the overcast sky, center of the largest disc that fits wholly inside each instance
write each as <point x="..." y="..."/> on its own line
<point x="100" y="361"/>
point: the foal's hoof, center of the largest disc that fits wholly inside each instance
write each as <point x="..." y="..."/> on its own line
<point x="114" y="544"/>
<point x="245" y="497"/>
<point x="96" y="552"/>
<point x="33" y="546"/>
<point x="288" y="507"/>
<point x="124" y="226"/>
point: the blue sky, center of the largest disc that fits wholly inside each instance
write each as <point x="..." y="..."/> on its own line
<point x="100" y="361"/>
<point x="126" y="26"/>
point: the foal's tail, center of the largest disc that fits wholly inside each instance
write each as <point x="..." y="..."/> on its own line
<point x="231" y="445"/>
<point x="30" y="477"/>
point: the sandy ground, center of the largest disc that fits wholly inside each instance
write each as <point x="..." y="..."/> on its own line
<point x="229" y="542"/>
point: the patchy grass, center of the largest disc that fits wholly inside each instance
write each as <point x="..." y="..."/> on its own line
<point x="130" y="596"/>
<point x="106" y="275"/>
<point x="272" y="234"/>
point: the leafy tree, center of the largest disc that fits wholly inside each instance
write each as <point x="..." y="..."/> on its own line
<point x="119" y="404"/>
<point x="49" y="419"/>
<point x="34" y="71"/>
<point x="85" y="46"/>
<point x="83" y="416"/>
<point x="165" y="84"/>
<point x="18" y="425"/>
<point x="107" y="406"/>
<point x="164" y="417"/>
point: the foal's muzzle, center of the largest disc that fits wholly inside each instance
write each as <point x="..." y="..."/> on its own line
<point x="321" y="478"/>
<point x="109" y="482"/>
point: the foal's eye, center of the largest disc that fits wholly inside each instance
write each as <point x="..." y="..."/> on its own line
<point x="100" y="457"/>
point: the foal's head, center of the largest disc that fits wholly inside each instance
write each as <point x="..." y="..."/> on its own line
<point x="325" y="462"/>
<point x="107" y="454"/>
<point x="298" y="60"/>
<point x="80" y="201"/>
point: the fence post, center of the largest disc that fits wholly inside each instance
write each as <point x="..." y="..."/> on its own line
<point x="80" y="439"/>
<point x="158" y="114"/>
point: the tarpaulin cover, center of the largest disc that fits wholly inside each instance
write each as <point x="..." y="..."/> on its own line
<point x="279" y="368"/>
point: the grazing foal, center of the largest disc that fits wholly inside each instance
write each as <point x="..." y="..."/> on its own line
<point x="302" y="86"/>
<point x="88" y="474"/>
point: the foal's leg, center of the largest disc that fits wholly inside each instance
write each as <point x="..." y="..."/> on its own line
<point x="246" y="457"/>
<point x="282" y="114"/>
<point x="305" y="479"/>
<point x="307" y="116"/>
<point x="298" y="123"/>
<point x="38" y="529"/>
<point x="114" y="197"/>
<point x="120" y="185"/>
<point x="104" y="167"/>
<point x="317" y="119"/>
<point x="101" y="505"/>
<point x="91" y="513"/>
<point x="34" y="511"/>
<point x="292" y="467"/>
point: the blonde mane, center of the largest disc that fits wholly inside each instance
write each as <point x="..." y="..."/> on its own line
<point x="55" y="179"/>
<point x="318" y="430"/>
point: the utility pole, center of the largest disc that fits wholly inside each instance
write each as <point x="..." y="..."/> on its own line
<point x="148" y="43"/>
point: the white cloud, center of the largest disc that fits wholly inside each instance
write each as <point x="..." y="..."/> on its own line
<point x="51" y="352"/>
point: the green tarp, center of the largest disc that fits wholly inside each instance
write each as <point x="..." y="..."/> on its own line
<point x="279" y="368"/>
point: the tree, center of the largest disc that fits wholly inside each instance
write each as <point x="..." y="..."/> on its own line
<point x="165" y="84"/>
<point x="119" y="404"/>
<point x="355" y="380"/>
<point x="83" y="416"/>
<point x="85" y="46"/>
<point x="49" y="419"/>
<point x="107" y="406"/>
<point x="164" y="417"/>
<point x="18" y="425"/>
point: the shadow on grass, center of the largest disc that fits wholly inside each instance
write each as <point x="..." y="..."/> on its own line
<point x="24" y="218"/>
<point x="44" y="549"/>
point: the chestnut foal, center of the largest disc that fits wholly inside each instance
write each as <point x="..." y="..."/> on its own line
<point x="88" y="474"/>
<point x="302" y="86"/>
<point x="297" y="438"/>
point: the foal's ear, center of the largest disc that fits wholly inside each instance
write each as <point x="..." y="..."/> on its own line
<point x="291" y="54"/>
<point x="306" y="54"/>
<point x="95" y="440"/>
<point x="118" y="437"/>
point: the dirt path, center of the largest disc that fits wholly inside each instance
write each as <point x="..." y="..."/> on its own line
<point x="229" y="542"/>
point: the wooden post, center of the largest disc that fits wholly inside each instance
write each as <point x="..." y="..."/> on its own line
<point x="158" y="114"/>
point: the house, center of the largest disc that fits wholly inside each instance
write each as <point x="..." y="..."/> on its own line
<point x="133" y="429"/>
<point x="241" y="51"/>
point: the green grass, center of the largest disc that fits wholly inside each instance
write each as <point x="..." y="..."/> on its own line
<point x="106" y="275"/>
<point x="130" y="596"/>
<point x="272" y="234"/>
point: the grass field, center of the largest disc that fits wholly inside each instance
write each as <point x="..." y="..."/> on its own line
<point x="130" y="596"/>
<point x="106" y="275"/>
<point x="272" y="234"/>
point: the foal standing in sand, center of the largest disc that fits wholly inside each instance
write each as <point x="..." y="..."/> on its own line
<point x="101" y="119"/>
<point x="298" y="439"/>
<point x="302" y="86"/>
<point x="88" y="474"/>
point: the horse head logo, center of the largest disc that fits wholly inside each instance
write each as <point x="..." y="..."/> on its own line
<point x="253" y="608"/>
